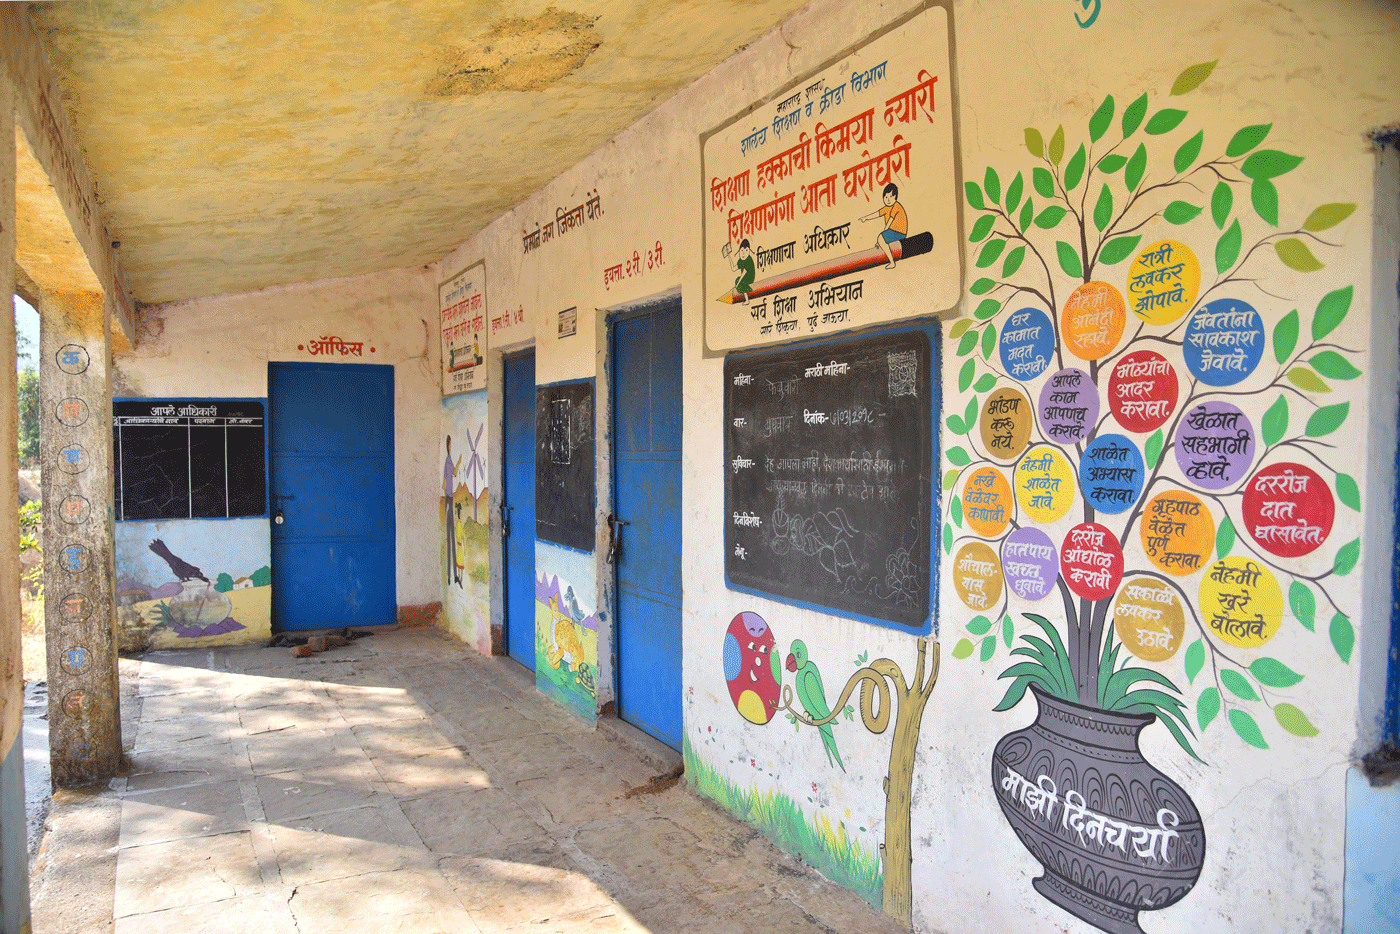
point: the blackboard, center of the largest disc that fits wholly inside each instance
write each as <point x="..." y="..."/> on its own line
<point x="564" y="449"/>
<point x="828" y="475"/>
<point x="189" y="458"/>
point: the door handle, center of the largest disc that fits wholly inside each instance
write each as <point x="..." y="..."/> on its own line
<point x="505" y="520"/>
<point x="615" y="538"/>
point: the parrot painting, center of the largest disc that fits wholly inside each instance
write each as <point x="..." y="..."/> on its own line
<point x="812" y="695"/>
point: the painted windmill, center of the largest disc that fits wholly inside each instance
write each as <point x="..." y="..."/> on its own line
<point x="476" y="468"/>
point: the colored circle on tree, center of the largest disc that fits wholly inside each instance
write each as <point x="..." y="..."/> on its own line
<point x="1111" y="473"/>
<point x="1224" y="342"/>
<point x="1069" y="406"/>
<point x="1163" y="281"/>
<point x="1006" y="423"/>
<point x="1241" y="602"/>
<point x="751" y="668"/>
<point x="987" y="502"/>
<point x="1149" y="618"/>
<point x="1288" y="509"/>
<point x="1177" y="532"/>
<point x="1030" y="563"/>
<point x="1142" y="391"/>
<point x="1045" y="484"/>
<point x="1093" y="320"/>
<point x="1214" y="445"/>
<point x="977" y="575"/>
<point x="1027" y="343"/>
<point x="1091" y="561"/>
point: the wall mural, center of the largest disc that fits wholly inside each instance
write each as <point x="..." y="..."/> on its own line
<point x="566" y="629"/>
<point x="1188" y="434"/>
<point x="462" y="510"/>
<point x="753" y="672"/>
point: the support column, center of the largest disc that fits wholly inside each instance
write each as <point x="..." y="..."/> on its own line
<point x="79" y="618"/>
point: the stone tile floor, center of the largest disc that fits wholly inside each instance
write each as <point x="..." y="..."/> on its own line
<point x="401" y="784"/>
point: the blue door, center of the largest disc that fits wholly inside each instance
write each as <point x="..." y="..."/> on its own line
<point x="518" y="498"/>
<point x="331" y="473"/>
<point x="647" y="496"/>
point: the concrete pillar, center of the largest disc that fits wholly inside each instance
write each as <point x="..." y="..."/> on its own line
<point x="76" y="452"/>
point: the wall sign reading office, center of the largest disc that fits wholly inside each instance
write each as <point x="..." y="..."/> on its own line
<point x="189" y="458"/>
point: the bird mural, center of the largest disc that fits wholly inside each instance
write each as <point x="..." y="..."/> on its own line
<point x="181" y="568"/>
<point x="812" y="695"/>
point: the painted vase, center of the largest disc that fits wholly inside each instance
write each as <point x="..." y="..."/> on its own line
<point x="1114" y="834"/>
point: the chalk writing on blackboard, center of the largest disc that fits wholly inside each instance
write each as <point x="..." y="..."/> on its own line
<point x="564" y="455"/>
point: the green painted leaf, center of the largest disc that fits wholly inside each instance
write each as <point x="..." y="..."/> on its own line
<point x="1118" y="249"/>
<point x="1348" y="492"/>
<point x="959" y="326"/>
<point x="1043" y="182"/>
<point x="987" y="308"/>
<point x="987" y="381"/>
<point x="1330" y="312"/>
<point x="1164" y="121"/>
<point x="958" y="456"/>
<point x="1273" y="673"/>
<point x="1008" y="631"/>
<point x="1191" y="78"/>
<point x="970" y="413"/>
<point x="1224" y="537"/>
<point x="1265" y="198"/>
<point x="965" y="375"/>
<point x="969" y="341"/>
<point x="1112" y="163"/>
<point x="1247" y="138"/>
<point x="1132" y="116"/>
<point x="957" y="426"/>
<point x="1102" y="117"/>
<point x="1027" y="213"/>
<point x="1294" y="720"/>
<point x="1238" y="684"/>
<point x="1103" y="208"/>
<point x="989" y="341"/>
<point x="1137" y="165"/>
<point x="979" y="625"/>
<point x="989" y="648"/>
<point x="1306" y="380"/>
<point x="1180" y="212"/>
<point x="964" y="647"/>
<point x="1188" y="152"/>
<point x="974" y="196"/>
<point x="991" y="184"/>
<point x="1153" y="449"/>
<point x="950" y="479"/>
<point x="1327" y="215"/>
<point x="1334" y="366"/>
<point x="947" y="538"/>
<point x="990" y="251"/>
<point x="1227" y="248"/>
<point x="1270" y="163"/>
<point x="1247" y="729"/>
<point x="1327" y="419"/>
<point x="1294" y="254"/>
<point x="1013" y="262"/>
<point x="1074" y="170"/>
<point x="1056" y="150"/>
<point x="1207" y="706"/>
<point x="981" y="228"/>
<point x="1221" y="201"/>
<point x="1343" y="637"/>
<point x="1195" y="660"/>
<point x="1069" y="259"/>
<point x="1302" y="604"/>
<point x="1013" y="192"/>
<point x="982" y="286"/>
<point x="1274" y="423"/>
<point x="1035" y="144"/>
<point x="1050" y="216"/>
<point x="1286" y="336"/>
<point x="1347" y="557"/>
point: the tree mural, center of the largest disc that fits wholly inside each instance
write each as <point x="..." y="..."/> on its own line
<point x="1195" y="492"/>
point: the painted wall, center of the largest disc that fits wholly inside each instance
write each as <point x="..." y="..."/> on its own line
<point x="1234" y="601"/>
<point x="464" y="521"/>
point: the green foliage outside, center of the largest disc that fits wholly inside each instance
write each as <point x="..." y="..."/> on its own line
<point x="28" y="393"/>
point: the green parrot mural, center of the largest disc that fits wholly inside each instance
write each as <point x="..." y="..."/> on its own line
<point x="812" y="695"/>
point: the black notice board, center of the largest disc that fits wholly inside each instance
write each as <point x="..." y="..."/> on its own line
<point x="189" y="458"/>
<point x="564" y="457"/>
<point x="828" y="475"/>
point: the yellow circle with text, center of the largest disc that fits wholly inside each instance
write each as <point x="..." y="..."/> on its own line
<point x="1045" y="484"/>
<point x="1241" y="602"/>
<point x="1163" y="282"/>
<point x="977" y="575"/>
<point x="1093" y="320"/>
<point x="1149" y="618"/>
<point x="987" y="502"/>
<point x="1006" y="423"/>
<point x="1177" y="532"/>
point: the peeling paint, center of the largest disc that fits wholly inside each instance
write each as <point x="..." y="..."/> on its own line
<point x="518" y="54"/>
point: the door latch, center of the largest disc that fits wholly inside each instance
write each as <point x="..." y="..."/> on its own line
<point x="505" y="520"/>
<point x="615" y="538"/>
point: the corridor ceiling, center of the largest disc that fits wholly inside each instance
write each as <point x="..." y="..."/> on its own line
<point x="238" y="144"/>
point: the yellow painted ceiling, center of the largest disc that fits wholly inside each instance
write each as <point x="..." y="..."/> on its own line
<point x="237" y="144"/>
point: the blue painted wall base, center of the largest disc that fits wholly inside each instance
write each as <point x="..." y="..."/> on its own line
<point x="1371" y="903"/>
<point x="14" y="852"/>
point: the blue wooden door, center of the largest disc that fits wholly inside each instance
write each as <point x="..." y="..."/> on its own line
<point x="647" y="496"/>
<point x="331" y="473"/>
<point x="518" y="497"/>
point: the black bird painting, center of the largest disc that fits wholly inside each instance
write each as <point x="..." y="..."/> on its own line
<point x="182" y="569"/>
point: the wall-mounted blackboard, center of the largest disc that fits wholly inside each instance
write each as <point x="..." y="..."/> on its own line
<point x="564" y="449"/>
<point x="189" y="458"/>
<point x="828" y="475"/>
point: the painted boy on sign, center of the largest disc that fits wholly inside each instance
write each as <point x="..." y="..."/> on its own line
<point x="896" y="222"/>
